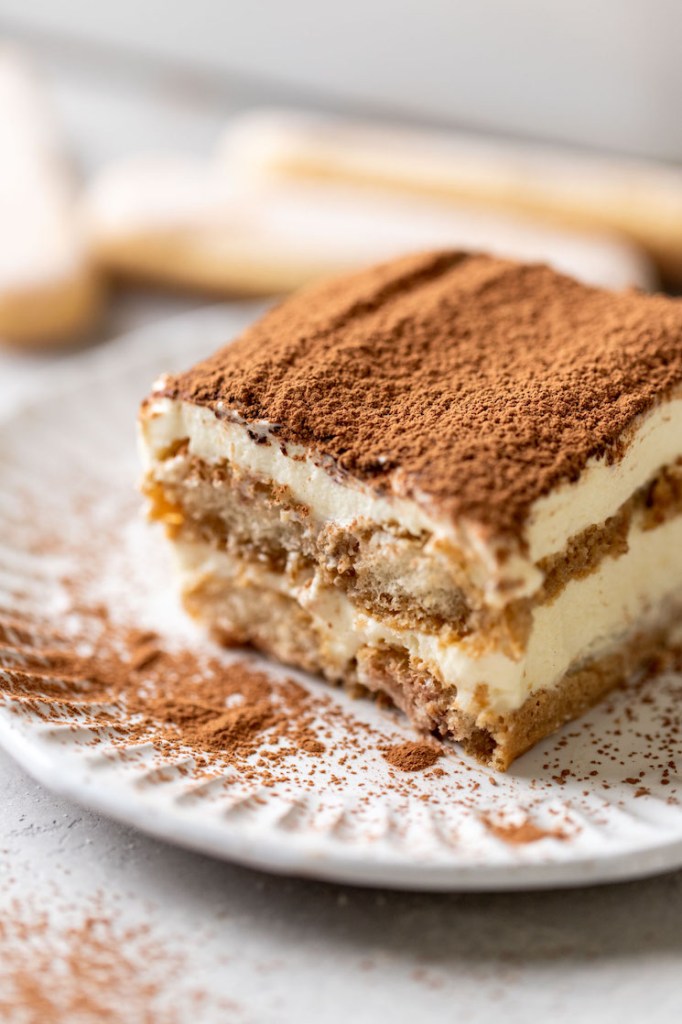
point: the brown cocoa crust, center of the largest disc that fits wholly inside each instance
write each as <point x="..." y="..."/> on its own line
<point x="472" y="384"/>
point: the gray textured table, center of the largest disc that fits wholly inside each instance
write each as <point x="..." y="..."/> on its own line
<point x="276" y="950"/>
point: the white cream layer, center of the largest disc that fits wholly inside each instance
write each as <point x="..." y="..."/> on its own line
<point x="588" y="617"/>
<point x="571" y="508"/>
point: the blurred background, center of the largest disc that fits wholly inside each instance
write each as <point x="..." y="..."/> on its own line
<point x="605" y="74"/>
<point x="159" y="154"/>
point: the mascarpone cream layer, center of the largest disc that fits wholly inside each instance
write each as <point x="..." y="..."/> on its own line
<point x="590" y="616"/>
<point x="554" y="519"/>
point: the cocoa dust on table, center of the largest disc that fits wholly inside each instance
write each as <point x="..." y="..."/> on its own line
<point x="69" y="964"/>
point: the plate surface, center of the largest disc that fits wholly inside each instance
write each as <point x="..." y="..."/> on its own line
<point x="598" y="802"/>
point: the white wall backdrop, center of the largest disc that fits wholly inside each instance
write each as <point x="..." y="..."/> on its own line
<point x="606" y="73"/>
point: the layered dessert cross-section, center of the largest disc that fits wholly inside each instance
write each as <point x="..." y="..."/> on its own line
<point x="451" y="479"/>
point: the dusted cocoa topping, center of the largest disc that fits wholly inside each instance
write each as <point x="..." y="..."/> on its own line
<point x="467" y="382"/>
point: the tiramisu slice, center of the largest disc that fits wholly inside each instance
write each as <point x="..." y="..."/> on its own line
<point x="452" y="479"/>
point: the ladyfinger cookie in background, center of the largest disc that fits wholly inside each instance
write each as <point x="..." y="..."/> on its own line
<point x="640" y="199"/>
<point x="49" y="291"/>
<point x="185" y="223"/>
<point x="176" y="221"/>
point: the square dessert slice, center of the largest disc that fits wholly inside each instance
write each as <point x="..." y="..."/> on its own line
<point x="452" y="479"/>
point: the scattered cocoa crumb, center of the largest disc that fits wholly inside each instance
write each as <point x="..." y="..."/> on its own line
<point x="412" y="757"/>
<point x="521" y="833"/>
<point x="312" y="746"/>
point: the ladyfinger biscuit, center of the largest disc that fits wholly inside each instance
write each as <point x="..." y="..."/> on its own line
<point x="640" y="199"/>
<point x="48" y="288"/>
<point x="177" y="222"/>
<point x="184" y="223"/>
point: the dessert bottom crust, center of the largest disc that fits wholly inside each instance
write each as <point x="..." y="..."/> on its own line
<point x="278" y="625"/>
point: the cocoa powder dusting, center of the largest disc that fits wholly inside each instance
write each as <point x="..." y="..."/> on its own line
<point x="92" y="970"/>
<point x="520" y="833"/>
<point x="413" y="757"/>
<point x="467" y="382"/>
<point x="180" y="699"/>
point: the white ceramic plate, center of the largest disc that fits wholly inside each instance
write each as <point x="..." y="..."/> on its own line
<point x="598" y="802"/>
